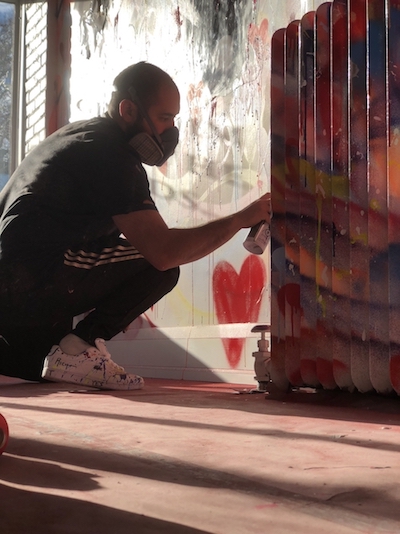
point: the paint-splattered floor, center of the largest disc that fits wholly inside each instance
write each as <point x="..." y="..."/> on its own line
<point x="183" y="457"/>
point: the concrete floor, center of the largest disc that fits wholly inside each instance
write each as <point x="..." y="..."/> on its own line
<point x="180" y="457"/>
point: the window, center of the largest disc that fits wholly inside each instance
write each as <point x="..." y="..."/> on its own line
<point x="7" y="24"/>
<point x="23" y="42"/>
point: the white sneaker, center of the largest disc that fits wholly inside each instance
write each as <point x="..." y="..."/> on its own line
<point x="92" y="367"/>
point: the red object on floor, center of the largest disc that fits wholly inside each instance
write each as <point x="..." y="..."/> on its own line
<point x="3" y="434"/>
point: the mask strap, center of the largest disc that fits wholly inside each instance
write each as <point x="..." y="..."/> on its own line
<point x="144" y="113"/>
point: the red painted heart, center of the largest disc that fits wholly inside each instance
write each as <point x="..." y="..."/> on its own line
<point x="237" y="299"/>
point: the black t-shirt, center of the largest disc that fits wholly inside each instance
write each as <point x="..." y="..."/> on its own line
<point x="65" y="192"/>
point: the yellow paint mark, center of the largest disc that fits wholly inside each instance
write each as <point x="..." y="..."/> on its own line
<point x="375" y="205"/>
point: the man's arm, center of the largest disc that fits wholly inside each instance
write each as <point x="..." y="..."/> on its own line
<point x="167" y="247"/>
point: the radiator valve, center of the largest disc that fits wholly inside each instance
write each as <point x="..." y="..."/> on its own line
<point x="262" y="358"/>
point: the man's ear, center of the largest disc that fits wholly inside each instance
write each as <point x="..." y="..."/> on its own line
<point x="128" y="111"/>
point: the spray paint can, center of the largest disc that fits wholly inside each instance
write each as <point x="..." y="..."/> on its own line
<point x="258" y="238"/>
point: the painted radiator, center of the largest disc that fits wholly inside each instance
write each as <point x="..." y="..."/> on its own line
<point x="335" y="184"/>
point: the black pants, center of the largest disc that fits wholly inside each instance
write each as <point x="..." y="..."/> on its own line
<point x="114" y="288"/>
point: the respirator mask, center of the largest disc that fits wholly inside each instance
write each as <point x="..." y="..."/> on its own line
<point x="153" y="149"/>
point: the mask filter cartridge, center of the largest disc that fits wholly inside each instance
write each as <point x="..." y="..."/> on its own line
<point x="152" y="152"/>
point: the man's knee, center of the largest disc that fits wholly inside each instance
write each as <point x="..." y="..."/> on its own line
<point x="171" y="278"/>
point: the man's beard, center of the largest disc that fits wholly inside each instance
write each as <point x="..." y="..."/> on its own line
<point x="135" y="128"/>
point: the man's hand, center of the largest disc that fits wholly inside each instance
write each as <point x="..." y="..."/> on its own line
<point x="259" y="210"/>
